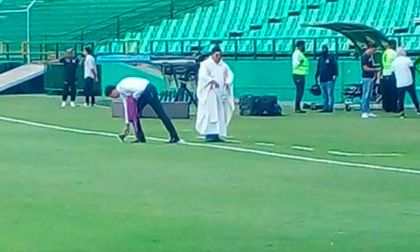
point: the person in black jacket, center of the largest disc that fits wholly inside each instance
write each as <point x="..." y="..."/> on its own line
<point x="70" y="64"/>
<point x="326" y="74"/>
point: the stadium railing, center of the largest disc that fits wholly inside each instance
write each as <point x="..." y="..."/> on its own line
<point x="250" y="48"/>
<point x="238" y="47"/>
<point x="40" y="51"/>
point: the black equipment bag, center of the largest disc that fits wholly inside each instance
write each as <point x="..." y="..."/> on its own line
<point x="250" y="105"/>
<point x="247" y="105"/>
<point x="315" y="90"/>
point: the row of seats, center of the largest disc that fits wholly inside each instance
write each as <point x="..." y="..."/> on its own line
<point x="250" y="18"/>
<point x="51" y="17"/>
<point x="14" y="4"/>
<point x="63" y="20"/>
<point x="271" y="22"/>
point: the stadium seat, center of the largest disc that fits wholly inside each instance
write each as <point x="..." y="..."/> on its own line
<point x="249" y="19"/>
<point x="240" y="16"/>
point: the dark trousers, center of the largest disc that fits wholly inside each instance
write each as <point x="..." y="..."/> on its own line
<point x="401" y="97"/>
<point x="389" y="93"/>
<point x="69" y="88"/>
<point x="300" y="87"/>
<point x="150" y="97"/>
<point x="89" y="91"/>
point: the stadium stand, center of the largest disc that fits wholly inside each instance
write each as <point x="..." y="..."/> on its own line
<point x="242" y="26"/>
<point x="276" y="19"/>
<point x="78" y="19"/>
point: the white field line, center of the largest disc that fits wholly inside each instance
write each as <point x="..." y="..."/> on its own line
<point x="186" y="130"/>
<point x="357" y="154"/>
<point x="302" y="148"/>
<point x="227" y="139"/>
<point x="79" y="102"/>
<point x="227" y="148"/>
<point x="265" y="144"/>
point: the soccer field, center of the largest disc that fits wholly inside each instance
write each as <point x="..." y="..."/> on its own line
<point x="354" y="186"/>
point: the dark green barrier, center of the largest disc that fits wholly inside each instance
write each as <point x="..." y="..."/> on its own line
<point x="34" y="86"/>
<point x="6" y="66"/>
<point x="54" y="79"/>
<point x="274" y="77"/>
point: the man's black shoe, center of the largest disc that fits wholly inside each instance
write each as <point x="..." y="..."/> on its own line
<point x="215" y="140"/>
<point x="174" y="140"/>
<point x="300" y="111"/>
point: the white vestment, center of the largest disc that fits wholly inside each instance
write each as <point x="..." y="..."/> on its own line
<point x="215" y="104"/>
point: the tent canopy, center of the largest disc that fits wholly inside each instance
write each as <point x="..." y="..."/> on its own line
<point x="361" y="35"/>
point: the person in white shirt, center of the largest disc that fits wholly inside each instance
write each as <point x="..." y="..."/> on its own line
<point x="215" y="97"/>
<point x="403" y="68"/>
<point x="91" y="75"/>
<point x="144" y="93"/>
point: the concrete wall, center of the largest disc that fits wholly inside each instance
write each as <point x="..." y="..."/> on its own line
<point x="268" y="77"/>
<point x="275" y="77"/>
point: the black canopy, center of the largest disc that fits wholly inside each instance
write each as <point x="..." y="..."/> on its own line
<point x="361" y="35"/>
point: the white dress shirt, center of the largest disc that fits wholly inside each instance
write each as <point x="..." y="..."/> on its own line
<point x="131" y="86"/>
<point x="90" y="67"/>
<point x="401" y="67"/>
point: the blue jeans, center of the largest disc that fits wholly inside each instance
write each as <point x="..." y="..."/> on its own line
<point x="328" y="95"/>
<point x="367" y="84"/>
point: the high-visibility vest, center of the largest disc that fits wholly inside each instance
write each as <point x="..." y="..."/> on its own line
<point x="303" y="68"/>
<point x="387" y="59"/>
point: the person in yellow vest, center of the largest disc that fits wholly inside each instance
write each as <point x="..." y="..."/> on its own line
<point x="389" y="85"/>
<point x="300" y="71"/>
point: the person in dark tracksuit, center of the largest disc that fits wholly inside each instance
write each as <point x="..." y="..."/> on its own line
<point x="326" y="74"/>
<point x="300" y="70"/>
<point x="70" y="64"/>
<point x="144" y="93"/>
<point x="91" y="76"/>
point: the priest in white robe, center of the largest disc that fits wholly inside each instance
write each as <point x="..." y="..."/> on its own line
<point x="215" y="97"/>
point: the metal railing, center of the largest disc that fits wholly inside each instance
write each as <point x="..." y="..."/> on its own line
<point x="249" y="47"/>
<point x="253" y="48"/>
<point x="40" y="51"/>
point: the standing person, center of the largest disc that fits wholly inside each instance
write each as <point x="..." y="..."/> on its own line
<point x="369" y="74"/>
<point x="404" y="71"/>
<point x="300" y="71"/>
<point x="70" y="64"/>
<point x="389" y="88"/>
<point x="215" y="97"/>
<point x="140" y="92"/>
<point x="91" y="75"/>
<point x="326" y="74"/>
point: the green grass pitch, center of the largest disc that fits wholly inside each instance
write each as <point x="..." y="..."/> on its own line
<point x="61" y="191"/>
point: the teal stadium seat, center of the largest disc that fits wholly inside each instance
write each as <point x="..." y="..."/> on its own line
<point x="201" y="24"/>
<point x="240" y="15"/>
